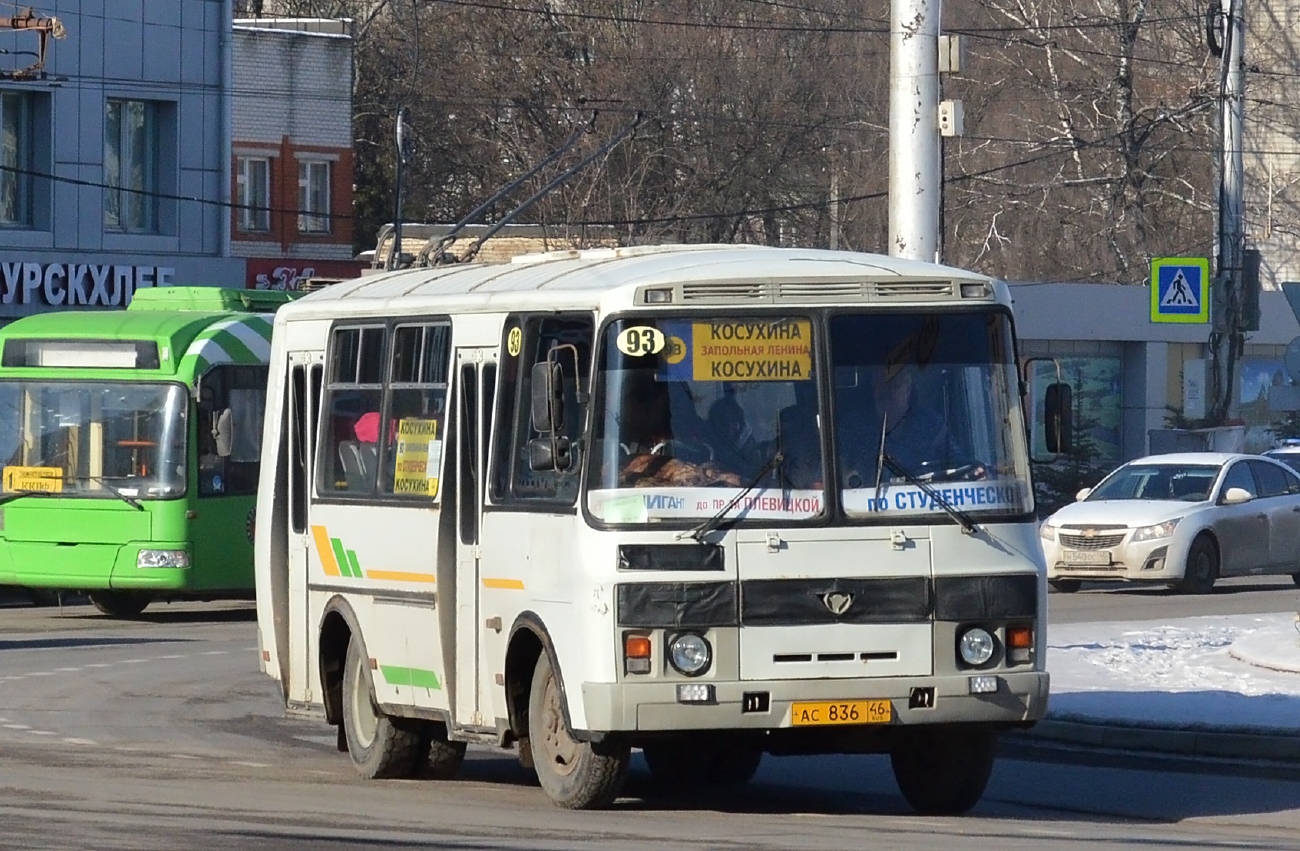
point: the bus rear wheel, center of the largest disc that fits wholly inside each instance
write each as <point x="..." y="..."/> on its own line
<point x="120" y="604"/>
<point x="942" y="771"/>
<point x="575" y="775"/>
<point x="380" y="746"/>
<point x="443" y="756"/>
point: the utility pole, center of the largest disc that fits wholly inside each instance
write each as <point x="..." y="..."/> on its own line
<point x="395" y="257"/>
<point x="1227" y="337"/>
<point x="915" y="192"/>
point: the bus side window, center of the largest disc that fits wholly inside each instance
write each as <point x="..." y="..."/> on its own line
<point x="571" y="339"/>
<point x="351" y="435"/>
<point x="232" y="402"/>
<point x="417" y="405"/>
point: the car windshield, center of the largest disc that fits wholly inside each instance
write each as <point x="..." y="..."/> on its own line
<point x="93" y="439"/>
<point x="1183" y="482"/>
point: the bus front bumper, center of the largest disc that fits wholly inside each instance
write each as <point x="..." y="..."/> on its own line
<point x="1020" y="698"/>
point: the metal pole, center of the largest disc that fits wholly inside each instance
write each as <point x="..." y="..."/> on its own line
<point x="914" y="187"/>
<point x="1228" y="338"/>
<point x="395" y="256"/>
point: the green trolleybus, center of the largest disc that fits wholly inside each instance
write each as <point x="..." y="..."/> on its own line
<point x="130" y="446"/>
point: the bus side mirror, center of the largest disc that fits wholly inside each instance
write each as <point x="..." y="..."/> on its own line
<point x="547" y="397"/>
<point x="221" y="429"/>
<point x="550" y="453"/>
<point x="1058" y="418"/>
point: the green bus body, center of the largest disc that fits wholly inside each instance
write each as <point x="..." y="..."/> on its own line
<point x="87" y="486"/>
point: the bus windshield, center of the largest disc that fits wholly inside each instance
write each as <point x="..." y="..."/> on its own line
<point x="93" y="439"/>
<point x="699" y="416"/>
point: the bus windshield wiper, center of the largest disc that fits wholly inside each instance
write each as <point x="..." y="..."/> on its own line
<point x="129" y="500"/>
<point x="712" y="523"/>
<point x="968" y="525"/>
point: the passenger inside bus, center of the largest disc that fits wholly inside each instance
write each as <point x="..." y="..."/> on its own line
<point x="655" y="452"/>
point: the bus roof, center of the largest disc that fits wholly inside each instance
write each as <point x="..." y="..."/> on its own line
<point x="176" y="343"/>
<point x="700" y="275"/>
<point x="210" y="299"/>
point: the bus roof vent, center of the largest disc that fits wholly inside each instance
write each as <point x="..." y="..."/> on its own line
<point x="813" y="290"/>
<point x="726" y="291"/>
<point x="916" y="290"/>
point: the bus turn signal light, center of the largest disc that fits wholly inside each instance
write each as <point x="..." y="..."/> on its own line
<point x="1020" y="643"/>
<point x="636" y="654"/>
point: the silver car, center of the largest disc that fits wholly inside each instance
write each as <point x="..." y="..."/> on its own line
<point x="1183" y="520"/>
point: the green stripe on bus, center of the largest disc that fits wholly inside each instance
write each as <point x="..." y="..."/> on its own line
<point x="352" y="561"/>
<point x="413" y="677"/>
<point x="340" y="555"/>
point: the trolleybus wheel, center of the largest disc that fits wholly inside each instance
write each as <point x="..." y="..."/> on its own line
<point x="380" y="746"/>
<point x="943" y="770"/>
<point x="575" y="775"/>
<point x="120" y="604"/>
<point x="443" y="756"/>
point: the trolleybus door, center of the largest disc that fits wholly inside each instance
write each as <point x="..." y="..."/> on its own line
<point x="476" y="370"/>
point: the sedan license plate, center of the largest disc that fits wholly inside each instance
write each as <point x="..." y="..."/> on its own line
<point x="1086" y="557"/>
<point x="825" y="712"/>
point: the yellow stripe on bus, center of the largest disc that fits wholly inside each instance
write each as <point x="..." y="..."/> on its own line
<point x="513" y="584"/>
<point x="400" y="576"/>
<point x="325" y="550"/>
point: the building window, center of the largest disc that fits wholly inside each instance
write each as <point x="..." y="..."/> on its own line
<point x="313" y="196"/>
<point x="131" y="166"/>
<point x="254" y="189"/>
<point x="15" y="159"/>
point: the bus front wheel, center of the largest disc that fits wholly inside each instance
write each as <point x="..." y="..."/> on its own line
<point x="120" y="604"/>
<point x="380" y="746"/>
<point x="942" y="771"/>
<point x="575" y="775"/>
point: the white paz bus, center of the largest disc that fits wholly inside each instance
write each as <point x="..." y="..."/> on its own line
<point x="711" y="502"/>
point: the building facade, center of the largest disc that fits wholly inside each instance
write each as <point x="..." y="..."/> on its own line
<point x="114" y="156"/>
<point x="291" y="167"/>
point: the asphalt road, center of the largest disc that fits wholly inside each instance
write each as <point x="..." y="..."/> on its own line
<point x="162" y="734"/>
<point x="1118" y="602"/>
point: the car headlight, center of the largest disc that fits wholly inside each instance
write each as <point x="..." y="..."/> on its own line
<point x="1047" y="532"/>
<point x="1159" y="530"/>
<point x="690" y="654"/>
<point x="976" y="646"/>
<point x="162" y="558"/>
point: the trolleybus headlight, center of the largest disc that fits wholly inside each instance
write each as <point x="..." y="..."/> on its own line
<point x="690" y="654"/>
<point x="975" y="646"/>
<point x="162" y="558"/>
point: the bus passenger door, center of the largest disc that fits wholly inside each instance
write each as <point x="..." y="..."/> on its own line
<point x="303" y="388"/>
<point x="476" y="370"/>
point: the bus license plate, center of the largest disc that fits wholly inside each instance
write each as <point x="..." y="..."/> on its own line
<point x="826" y="712"/>
<point x="1087" y="557"/>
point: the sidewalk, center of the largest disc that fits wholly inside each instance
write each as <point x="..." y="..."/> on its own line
<point x="1225" y="686"/>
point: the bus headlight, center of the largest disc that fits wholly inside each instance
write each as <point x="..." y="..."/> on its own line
<point x="690" y="654"/>
<point x="975" y="646"/>
<point x="162" y="558"/>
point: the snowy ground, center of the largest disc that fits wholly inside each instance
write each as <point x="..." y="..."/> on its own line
<point x="1239" y="671"/>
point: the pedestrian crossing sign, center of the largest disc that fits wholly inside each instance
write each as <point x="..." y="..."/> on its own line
<point x="1180" y="290"/>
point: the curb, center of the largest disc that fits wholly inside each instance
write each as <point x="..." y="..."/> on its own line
<point x="1282" y="746"/>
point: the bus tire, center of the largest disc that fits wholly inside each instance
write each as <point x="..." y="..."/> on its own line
<point x="942" y="771"/>
<point x="441" y="756"/>
<point x="380" y="746"/>
<point x="120" y="604"/>
<point x="575" y="775"/>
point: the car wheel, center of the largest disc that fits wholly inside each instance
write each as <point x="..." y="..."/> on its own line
<point x="1065" y="586"/>
<point x="1202" y="569"/>
<point x="1295" y="577"/>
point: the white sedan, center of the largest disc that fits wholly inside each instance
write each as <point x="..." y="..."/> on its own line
<point x="1183" y="520"/>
